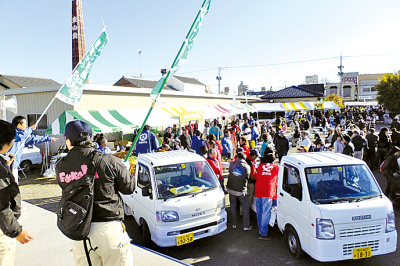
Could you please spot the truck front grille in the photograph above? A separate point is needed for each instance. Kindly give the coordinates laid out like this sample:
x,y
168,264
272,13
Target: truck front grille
x,y
360,231
348,248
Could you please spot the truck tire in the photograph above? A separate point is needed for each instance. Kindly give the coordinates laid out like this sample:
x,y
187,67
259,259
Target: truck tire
x,y
26,166
146,234
293,242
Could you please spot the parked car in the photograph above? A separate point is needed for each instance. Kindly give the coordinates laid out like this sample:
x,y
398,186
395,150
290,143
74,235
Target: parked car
x,y
31,155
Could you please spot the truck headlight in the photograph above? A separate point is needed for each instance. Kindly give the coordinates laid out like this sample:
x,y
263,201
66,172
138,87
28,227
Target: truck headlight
x,y
167,216
390,222
220,205
325,229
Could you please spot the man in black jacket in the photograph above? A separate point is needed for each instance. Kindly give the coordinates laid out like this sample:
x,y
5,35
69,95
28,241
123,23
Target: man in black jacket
x,y
10,200
371,149
107,232
348,146
186,140
360,143
239,174
281,145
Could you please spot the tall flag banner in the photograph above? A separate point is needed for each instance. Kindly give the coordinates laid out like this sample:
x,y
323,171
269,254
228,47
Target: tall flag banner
x,y
179,60
71,91
185,49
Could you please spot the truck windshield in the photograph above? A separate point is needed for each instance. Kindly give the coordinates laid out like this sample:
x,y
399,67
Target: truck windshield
x,y
184,178
335,184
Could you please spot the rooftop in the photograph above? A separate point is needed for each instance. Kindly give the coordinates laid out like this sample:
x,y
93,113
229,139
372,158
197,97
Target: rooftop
x,y
24,82
292,92
189,80
140,83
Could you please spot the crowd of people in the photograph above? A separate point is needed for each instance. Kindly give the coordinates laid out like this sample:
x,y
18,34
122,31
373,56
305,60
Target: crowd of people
x,y
253,149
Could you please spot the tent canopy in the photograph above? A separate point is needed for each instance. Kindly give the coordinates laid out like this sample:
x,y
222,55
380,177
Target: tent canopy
x,y
127,120
360,103
294,106
111,120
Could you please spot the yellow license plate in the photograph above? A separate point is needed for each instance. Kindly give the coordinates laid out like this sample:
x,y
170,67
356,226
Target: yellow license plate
x,y
361,253
184,239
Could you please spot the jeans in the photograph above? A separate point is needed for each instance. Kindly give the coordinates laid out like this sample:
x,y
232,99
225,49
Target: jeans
x,y
245,207
358,154
264,206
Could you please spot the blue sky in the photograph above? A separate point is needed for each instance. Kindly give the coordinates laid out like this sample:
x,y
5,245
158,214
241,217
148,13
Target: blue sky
x,y
259,42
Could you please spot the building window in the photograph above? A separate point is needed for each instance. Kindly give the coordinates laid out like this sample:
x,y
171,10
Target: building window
x,y
333,90
369,88
32,118
346,91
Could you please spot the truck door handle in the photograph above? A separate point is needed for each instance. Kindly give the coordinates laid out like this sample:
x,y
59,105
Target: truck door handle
x,y
280,193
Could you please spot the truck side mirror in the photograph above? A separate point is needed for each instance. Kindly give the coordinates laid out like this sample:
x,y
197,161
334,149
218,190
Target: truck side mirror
x,y
146,192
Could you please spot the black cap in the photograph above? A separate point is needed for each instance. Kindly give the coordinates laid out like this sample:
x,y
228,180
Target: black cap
x,y
74,130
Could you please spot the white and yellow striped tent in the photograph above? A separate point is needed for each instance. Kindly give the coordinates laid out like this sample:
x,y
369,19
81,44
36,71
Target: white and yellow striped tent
x,y
295,106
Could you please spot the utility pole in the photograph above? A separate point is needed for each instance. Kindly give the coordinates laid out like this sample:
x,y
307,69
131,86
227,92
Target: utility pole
x,y
340,73
140,64
219,80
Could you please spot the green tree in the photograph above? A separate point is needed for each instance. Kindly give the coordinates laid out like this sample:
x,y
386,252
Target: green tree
x,y
389,92
336,99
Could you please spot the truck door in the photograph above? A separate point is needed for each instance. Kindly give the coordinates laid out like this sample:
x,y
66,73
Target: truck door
x,y
292,207
144,205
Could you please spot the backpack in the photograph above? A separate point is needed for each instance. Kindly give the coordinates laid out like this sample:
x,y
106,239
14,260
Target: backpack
x,y
74,212
382,167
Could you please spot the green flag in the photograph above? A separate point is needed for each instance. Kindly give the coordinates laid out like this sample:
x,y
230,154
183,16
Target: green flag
x,y
185,49
71,91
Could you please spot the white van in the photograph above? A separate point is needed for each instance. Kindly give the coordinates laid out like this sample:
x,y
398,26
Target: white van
x,y
177,199
331,207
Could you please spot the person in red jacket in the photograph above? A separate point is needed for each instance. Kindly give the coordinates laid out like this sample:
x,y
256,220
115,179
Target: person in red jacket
x,y
211,137
213,162
245,146
265,192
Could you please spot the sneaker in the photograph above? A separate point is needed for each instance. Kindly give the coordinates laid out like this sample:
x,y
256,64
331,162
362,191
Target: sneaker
x,y
261,237
233,226
247,228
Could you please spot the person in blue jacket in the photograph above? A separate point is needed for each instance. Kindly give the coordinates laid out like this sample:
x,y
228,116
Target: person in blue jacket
x,y
227,146
197,142
254,133
147,142
215,130
24,137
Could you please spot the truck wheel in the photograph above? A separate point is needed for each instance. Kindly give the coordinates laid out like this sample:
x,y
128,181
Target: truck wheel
x,y
293,242
26,166
146,235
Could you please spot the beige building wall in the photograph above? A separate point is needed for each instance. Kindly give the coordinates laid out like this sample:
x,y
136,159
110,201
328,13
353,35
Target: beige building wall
x,y
35,103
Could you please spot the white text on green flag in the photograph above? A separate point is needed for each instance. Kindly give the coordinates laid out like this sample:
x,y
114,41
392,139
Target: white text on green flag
x,y
71,91
185,48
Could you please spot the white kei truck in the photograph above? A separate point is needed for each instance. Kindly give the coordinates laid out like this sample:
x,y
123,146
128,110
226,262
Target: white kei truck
x,y
331,207
177,199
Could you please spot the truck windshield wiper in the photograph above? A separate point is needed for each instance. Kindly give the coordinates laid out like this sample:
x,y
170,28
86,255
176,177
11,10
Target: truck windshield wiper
x,y
348,199
202,190
368,197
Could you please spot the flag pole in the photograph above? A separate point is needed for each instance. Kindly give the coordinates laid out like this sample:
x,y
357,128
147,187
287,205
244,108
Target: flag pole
x,y
165,81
